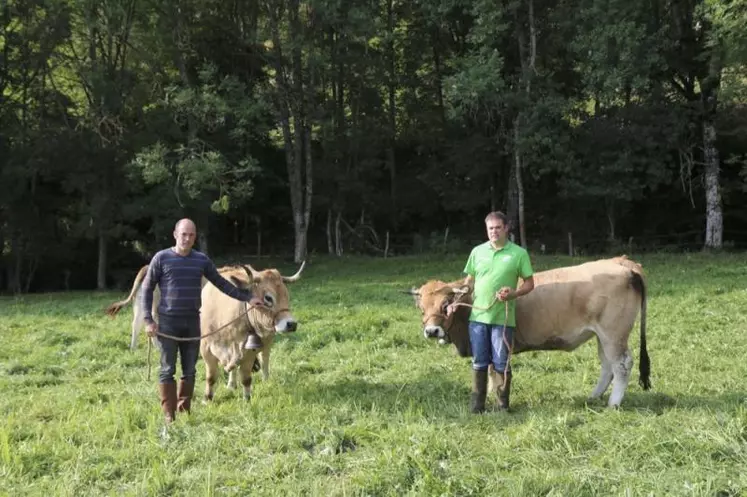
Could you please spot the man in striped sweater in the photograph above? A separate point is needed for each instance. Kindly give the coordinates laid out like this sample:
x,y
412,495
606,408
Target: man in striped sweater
x,y
178,272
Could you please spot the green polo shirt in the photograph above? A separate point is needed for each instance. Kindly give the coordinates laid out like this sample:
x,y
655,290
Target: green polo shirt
x,y
493,269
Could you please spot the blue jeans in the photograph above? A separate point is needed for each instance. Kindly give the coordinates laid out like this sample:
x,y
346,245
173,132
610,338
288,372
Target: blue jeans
x,y
489,346
180,327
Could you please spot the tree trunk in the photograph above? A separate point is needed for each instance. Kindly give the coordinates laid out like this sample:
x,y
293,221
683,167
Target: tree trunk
x,y
338,234
202,237
258,221
15,267
33,265
392,116
709,92
519,186
102,263
330,242
439,77
610,205
512,197
714,213
3,266
291,106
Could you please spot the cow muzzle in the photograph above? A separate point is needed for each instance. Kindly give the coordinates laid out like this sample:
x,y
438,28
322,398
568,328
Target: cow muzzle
x,y
286,325
432,331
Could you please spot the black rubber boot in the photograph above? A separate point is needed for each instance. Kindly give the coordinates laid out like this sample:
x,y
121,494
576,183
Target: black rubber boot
x,y
479,391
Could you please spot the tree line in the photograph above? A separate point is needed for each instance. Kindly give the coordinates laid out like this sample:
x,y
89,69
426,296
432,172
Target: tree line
x,y
375,126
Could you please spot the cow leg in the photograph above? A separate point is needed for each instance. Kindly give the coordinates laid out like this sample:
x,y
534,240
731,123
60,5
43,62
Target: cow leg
x,y
211,370
605,376
236,354
245,373
264,359
621,367
138,321
231,383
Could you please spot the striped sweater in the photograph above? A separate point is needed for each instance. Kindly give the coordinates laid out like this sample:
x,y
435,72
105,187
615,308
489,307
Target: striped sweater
x,y
179,279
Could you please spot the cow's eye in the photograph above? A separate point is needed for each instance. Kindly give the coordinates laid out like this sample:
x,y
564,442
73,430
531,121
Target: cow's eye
x,y
444,305
269,300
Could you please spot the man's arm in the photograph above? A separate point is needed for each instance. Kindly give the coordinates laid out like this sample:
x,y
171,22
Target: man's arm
x,y
507,293
526,272
225,286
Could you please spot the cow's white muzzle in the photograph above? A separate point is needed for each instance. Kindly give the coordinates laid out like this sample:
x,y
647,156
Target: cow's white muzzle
x,y
431,331
286,325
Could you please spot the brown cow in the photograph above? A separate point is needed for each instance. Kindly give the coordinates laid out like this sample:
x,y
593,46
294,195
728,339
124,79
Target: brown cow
x,y
568,306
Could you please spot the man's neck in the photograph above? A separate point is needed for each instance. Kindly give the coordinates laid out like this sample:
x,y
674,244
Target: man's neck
x,y
499,244
183,253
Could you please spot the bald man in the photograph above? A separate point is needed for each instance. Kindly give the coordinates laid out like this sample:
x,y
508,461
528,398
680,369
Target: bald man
x,y
178,272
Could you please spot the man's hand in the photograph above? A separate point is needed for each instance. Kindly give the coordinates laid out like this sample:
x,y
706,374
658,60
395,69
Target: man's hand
x,y
505,294
256,302
151,329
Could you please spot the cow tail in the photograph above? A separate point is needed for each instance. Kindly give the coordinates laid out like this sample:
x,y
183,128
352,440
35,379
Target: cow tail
x,y
114,308
644,363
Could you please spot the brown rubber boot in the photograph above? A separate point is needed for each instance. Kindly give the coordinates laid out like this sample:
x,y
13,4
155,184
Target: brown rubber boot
x,y
168,400
504,392
479,391
186,390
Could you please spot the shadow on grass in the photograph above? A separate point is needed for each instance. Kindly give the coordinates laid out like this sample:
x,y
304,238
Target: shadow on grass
x,y
657,403
437,399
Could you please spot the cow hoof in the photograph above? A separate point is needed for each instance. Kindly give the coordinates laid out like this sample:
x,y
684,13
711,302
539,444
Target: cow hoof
x,y
207,399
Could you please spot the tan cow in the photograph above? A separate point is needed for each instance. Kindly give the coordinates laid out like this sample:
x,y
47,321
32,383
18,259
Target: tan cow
x,y
226,348
568,306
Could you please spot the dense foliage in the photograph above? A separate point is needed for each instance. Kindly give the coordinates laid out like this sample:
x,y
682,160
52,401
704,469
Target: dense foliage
x,y
293,126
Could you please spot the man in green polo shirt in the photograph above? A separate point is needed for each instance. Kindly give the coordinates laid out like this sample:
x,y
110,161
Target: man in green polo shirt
x,y
493,270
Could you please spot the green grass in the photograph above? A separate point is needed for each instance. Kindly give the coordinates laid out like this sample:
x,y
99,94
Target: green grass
x,y
359,403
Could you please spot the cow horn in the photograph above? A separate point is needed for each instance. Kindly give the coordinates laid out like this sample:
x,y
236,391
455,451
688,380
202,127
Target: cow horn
x,y
250,272
461,291
412,291
297,276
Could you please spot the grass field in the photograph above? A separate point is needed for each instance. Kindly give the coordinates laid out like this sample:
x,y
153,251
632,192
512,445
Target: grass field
x,y
359,403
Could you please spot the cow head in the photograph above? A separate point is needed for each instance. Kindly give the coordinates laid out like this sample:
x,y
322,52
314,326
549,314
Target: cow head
x,y
432,299
269,285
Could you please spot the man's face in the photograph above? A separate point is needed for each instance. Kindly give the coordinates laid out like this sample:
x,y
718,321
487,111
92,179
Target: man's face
x,y
496,229
185,234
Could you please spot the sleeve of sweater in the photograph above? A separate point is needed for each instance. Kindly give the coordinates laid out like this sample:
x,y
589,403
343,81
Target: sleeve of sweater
x,y
152,277
225,286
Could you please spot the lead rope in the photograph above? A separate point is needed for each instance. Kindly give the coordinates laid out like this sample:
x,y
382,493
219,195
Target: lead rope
x,y
247,308
510,346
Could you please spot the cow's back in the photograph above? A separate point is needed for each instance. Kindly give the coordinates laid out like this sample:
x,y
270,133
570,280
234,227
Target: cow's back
x,y
567,304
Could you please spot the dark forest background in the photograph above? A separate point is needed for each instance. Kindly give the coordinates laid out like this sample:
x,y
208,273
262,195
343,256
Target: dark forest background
x,y
383,127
